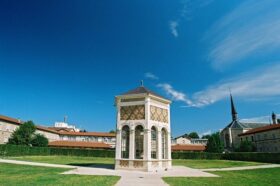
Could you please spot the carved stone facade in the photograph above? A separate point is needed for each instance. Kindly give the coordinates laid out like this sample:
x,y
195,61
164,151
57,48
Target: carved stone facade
x,y
159,114
135,112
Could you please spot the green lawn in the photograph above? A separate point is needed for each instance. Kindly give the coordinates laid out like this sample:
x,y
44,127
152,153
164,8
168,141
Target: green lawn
x,y
109,162
205,164
22,175
68,160
257,177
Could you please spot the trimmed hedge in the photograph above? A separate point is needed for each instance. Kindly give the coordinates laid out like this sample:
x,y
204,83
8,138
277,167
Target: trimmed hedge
x,y
196,155
18,150
264,157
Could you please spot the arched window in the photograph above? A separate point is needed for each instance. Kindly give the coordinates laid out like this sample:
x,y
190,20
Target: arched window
x,y
164,143
139,142
125,142
154,143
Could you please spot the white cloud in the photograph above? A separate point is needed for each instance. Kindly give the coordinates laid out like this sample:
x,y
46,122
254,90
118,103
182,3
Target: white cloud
x,y
150,75
176,95
261,119
254,26
259,83
186,12
173,27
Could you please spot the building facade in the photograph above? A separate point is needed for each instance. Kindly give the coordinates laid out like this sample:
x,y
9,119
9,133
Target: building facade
x,y
265,139
143,131
57,136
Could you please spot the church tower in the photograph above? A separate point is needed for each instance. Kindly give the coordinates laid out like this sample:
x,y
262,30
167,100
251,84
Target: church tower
x,y
143,131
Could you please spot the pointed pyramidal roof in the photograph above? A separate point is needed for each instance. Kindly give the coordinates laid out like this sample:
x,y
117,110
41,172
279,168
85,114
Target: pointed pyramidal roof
x,y
142,90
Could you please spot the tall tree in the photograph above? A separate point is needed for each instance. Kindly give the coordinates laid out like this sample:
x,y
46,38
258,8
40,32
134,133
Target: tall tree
x,y
193,135
206,136
112,131
23,134
215,144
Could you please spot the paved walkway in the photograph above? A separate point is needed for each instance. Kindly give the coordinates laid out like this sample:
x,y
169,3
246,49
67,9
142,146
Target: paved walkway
x,y
243,168
140,178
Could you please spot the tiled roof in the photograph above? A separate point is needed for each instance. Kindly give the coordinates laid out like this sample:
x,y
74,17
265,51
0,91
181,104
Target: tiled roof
x,y
61,129
12,120
79,144
188,147
142,90
261,129
18,122
238,124
99,134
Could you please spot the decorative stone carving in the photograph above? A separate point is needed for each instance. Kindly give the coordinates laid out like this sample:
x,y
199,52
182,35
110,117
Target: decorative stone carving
x,y
124,163
137,164
155,164
159,114
135,112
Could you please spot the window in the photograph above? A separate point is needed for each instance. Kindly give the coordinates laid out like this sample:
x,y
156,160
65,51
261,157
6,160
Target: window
x,y
139,144
252,138
164,143
125,142
154,143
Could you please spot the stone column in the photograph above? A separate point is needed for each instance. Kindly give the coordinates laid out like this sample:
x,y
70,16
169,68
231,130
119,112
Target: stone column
x,y
132,144
169,145
118,144
159,150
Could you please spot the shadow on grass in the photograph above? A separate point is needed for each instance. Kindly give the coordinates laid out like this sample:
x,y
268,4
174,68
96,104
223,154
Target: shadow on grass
x,y
94,165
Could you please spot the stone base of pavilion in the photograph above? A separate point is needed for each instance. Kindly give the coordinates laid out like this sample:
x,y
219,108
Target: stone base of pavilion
x,y
143,165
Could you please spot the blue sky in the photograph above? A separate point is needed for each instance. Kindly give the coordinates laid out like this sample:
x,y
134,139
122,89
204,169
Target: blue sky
x,y
71,58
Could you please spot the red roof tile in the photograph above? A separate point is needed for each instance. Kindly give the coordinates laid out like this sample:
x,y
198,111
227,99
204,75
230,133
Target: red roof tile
x,y
12,120
79,144
99,134
188,147
261,129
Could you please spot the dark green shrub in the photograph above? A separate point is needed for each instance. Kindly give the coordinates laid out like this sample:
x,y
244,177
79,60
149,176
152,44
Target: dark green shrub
x,y
39,140
196,155
19,150
264,157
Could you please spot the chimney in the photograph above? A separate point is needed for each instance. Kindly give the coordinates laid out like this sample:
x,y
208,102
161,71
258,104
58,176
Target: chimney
x,y
274,119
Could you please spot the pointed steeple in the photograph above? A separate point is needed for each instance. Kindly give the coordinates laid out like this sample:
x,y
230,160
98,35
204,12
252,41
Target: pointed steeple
x,y
233,110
